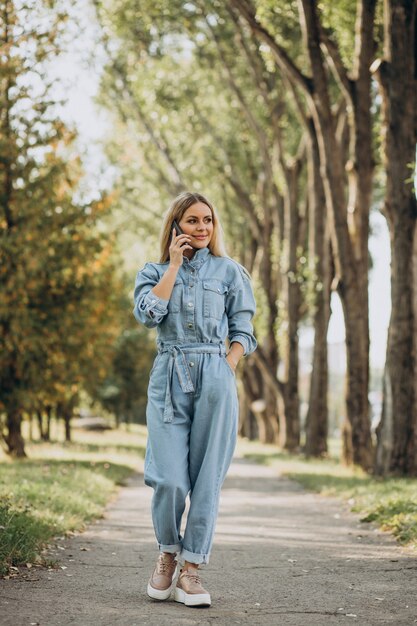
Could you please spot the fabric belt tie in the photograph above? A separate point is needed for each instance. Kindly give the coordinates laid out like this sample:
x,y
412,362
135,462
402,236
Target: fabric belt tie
x,y
179,361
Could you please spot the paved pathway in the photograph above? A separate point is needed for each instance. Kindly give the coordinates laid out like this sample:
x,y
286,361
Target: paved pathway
x,y
281,556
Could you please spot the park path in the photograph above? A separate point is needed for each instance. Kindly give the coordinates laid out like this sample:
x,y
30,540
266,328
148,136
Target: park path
x,y
281,557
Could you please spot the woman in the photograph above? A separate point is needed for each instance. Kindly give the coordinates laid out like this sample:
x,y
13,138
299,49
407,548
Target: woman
x,y
196,297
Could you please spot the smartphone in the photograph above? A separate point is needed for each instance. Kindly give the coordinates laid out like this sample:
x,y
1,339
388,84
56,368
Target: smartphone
x,y
178,230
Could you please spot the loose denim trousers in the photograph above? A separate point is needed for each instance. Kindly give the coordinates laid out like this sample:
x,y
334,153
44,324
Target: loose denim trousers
x,y
189,450
192,410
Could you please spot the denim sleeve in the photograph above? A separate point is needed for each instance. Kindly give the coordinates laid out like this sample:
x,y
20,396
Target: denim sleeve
x,y
240,308
148,308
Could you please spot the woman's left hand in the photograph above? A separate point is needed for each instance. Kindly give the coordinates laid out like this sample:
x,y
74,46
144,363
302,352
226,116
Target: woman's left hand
x,y
235,353
232,363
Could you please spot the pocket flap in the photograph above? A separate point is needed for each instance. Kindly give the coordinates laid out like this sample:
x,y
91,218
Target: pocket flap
x,y
215,285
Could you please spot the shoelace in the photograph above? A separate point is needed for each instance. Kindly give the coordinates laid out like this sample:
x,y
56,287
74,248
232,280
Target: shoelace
x,y
195,578
164,566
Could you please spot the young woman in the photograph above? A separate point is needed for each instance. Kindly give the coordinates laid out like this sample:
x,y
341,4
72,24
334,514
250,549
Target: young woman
x,y
197,297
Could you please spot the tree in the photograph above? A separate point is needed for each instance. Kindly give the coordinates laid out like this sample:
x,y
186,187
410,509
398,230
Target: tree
x,y
59,283
396,73
348,219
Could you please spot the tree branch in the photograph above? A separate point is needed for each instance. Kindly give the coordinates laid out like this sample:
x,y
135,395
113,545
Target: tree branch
x,y
286,64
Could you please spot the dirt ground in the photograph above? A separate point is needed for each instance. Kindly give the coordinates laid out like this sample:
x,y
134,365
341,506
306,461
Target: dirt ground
x,y
281,556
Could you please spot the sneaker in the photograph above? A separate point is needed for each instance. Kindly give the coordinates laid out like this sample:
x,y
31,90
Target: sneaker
x,y
161,582
189,589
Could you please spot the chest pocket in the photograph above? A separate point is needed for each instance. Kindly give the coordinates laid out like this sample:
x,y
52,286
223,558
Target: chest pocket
x,y
214,294
174,304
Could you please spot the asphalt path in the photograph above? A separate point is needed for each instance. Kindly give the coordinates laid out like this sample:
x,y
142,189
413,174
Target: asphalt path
x,y
281,556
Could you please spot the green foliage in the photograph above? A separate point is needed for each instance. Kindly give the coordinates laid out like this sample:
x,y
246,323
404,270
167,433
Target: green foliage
x,y
398,516
123,391
186,104
59,289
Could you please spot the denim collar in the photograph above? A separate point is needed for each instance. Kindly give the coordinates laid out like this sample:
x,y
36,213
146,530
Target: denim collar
x,y
198,259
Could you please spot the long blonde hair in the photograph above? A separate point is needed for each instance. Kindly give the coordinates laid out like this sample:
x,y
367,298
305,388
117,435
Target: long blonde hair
x,y
179,205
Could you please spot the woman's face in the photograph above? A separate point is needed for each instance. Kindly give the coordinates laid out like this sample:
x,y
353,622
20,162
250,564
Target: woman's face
x,y
197,222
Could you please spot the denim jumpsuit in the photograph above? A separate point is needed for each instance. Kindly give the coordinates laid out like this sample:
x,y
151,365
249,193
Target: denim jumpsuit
x,y
192,409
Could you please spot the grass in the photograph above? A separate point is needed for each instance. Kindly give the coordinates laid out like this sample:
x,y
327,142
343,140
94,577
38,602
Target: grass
x,y
60,488
389,502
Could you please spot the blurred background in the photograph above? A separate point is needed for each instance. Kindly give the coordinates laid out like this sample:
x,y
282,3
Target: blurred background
x,y
282,113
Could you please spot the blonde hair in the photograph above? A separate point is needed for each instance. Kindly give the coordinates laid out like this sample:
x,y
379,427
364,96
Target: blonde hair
x,y
178,207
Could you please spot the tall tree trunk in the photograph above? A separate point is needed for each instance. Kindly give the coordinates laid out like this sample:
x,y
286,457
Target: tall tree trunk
x,y
397,432
247,422
14,439
67,421
255,389
294,237
43,426
30,426
48,410
320,263
351,267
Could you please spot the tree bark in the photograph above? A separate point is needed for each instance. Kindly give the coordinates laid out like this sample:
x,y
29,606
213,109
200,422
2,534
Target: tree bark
x,y
14,439
320,263
254,384
293,239
43,427
351,266
397,432
67,421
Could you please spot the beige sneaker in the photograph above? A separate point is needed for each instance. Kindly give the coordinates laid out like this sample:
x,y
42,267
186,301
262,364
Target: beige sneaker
x,y
189,589
161,582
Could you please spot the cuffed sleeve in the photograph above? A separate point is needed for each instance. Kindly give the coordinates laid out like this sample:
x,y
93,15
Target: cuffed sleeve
x,y
148,308
240,308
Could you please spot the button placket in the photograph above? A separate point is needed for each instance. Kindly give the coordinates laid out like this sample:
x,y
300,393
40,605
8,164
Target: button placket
x,y
190,308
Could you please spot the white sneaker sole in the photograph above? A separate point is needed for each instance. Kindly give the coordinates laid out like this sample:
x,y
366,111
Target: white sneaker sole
x,y
161,594
192,599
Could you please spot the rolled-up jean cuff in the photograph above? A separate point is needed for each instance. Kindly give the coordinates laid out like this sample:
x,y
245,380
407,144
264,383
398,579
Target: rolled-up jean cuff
x,y
176,547
192,557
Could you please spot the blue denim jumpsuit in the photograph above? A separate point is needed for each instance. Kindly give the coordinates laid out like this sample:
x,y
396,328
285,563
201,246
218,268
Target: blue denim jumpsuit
x,y
192,409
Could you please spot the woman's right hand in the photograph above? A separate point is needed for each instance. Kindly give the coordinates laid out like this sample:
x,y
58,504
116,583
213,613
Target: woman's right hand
x,y
178,245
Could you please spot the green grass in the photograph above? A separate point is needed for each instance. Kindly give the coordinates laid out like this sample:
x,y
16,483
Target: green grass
x,y
60,488
42,499
389,502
